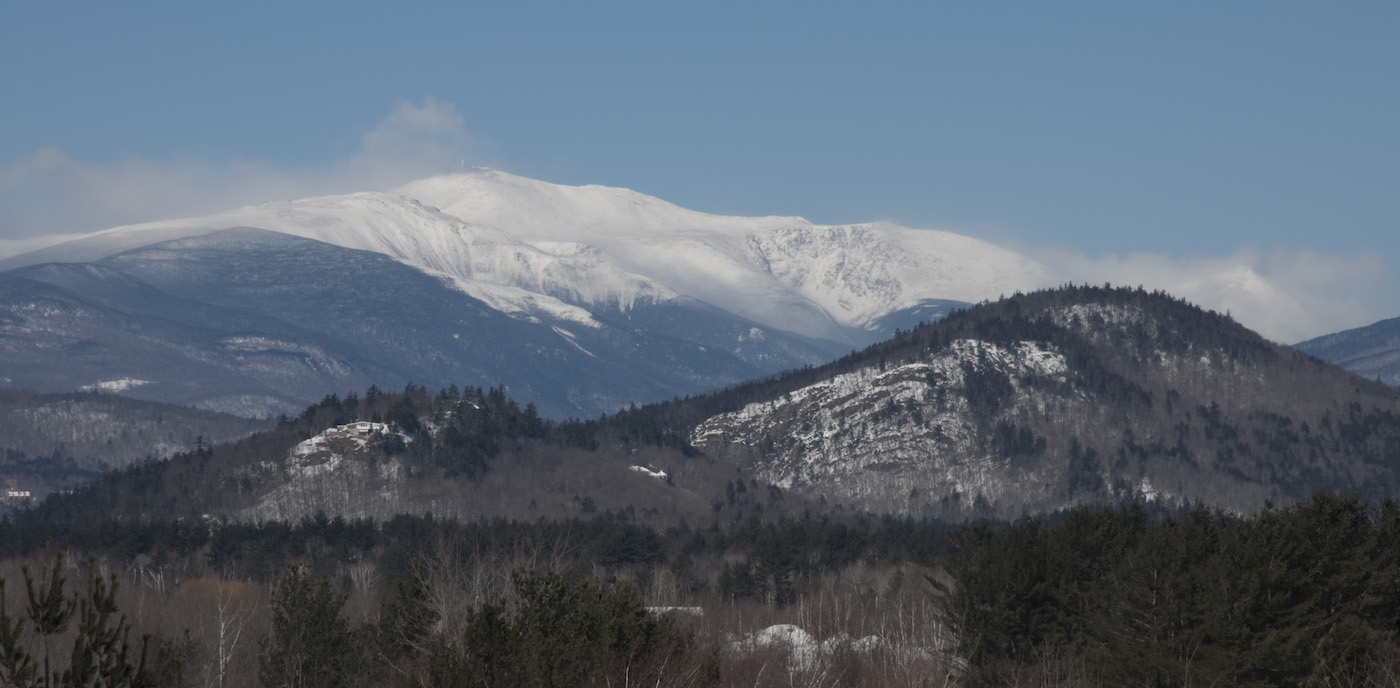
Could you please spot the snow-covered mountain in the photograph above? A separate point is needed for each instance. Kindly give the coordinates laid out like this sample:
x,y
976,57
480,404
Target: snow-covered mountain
x,y
532,248
781,271
661,299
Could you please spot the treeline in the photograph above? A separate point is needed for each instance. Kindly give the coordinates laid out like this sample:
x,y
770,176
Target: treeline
x,y
454,433
422,601
793,551
1303,595
549,630
1307,594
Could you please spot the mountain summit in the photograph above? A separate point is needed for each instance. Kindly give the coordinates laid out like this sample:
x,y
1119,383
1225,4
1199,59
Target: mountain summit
x,y
668,301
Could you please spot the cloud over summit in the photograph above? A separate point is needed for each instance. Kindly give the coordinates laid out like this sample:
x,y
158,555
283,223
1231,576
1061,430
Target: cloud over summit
x,y
1285,293
411,143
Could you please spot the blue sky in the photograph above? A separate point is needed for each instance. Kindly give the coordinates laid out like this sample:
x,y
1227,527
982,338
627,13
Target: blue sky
x,y
1169,142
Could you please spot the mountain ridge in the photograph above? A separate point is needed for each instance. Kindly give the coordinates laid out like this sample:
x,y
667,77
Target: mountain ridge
x,y
1372,351
573,248
646,300
289,320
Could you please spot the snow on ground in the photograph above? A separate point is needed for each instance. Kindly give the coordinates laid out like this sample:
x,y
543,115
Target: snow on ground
x,y
328,472
119,385
659,475
803,650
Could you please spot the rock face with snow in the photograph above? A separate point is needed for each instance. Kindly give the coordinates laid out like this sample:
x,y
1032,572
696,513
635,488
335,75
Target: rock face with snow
x,y
338,471
663,300
896,435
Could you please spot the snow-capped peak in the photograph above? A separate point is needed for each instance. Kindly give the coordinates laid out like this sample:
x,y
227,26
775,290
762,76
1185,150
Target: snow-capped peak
x,y
534,248
782,271
532,210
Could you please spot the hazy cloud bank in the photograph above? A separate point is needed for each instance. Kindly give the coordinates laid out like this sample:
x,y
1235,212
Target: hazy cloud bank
x,y
49,193
1287,294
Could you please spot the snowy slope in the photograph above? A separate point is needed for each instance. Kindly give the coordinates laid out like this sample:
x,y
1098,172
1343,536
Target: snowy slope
x,y
540,250
779,271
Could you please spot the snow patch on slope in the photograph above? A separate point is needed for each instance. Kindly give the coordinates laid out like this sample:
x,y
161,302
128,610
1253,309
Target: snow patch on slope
x,y
118,385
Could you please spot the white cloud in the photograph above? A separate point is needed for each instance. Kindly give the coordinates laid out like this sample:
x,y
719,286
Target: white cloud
x,y
412,143
49,193
1287,294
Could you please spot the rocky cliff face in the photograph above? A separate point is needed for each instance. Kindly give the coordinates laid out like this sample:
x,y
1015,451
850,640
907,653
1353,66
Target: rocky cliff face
x,y
890,437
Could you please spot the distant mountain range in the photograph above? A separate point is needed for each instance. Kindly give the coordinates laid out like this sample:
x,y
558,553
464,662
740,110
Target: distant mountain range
x,y
581,300
58,441
1372,352
1027,405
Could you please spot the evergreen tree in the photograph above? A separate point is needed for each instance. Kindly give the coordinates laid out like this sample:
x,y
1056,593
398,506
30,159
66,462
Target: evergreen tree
x,y
310,645
101,654
563,633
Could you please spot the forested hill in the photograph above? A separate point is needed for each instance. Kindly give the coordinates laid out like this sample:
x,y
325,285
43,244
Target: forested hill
x,y
57,441
1044,400
1167,323
1031,404
456,453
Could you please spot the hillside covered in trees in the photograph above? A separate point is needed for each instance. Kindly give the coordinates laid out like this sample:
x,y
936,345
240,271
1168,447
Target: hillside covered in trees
x,y
463,454
55,441
1079,395
1300,595
1032,404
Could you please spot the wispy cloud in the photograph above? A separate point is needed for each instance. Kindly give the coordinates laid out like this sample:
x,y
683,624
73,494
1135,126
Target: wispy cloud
x,y
1287,294
47,192
413,142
